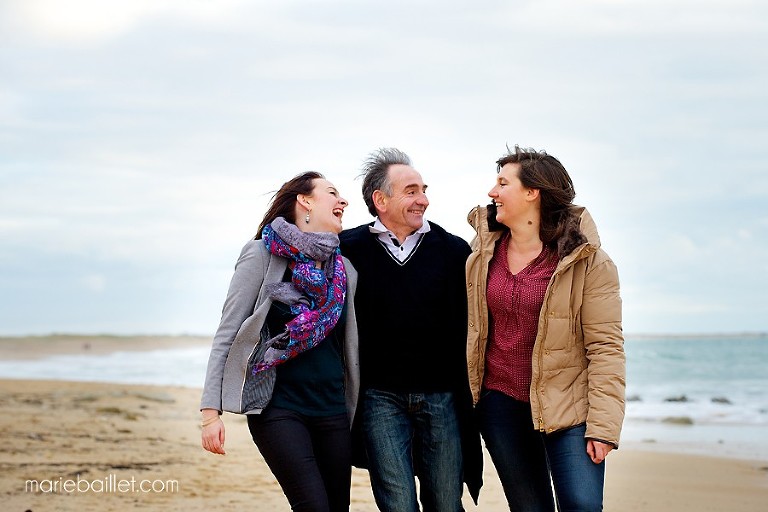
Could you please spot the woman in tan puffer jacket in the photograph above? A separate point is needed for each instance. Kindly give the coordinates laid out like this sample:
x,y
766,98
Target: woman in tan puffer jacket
x,y
545,347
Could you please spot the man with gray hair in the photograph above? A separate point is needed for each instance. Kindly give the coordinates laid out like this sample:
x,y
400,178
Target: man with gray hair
x,y
411,306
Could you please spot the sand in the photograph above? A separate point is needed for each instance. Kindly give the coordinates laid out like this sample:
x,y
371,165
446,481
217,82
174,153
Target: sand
x,y
111,439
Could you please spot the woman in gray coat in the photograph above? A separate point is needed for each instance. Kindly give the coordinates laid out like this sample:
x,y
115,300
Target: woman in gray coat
x,y
285,352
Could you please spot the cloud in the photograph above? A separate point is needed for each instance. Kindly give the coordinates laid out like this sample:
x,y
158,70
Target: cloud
x,y
95,21
95,282
601,18
140,141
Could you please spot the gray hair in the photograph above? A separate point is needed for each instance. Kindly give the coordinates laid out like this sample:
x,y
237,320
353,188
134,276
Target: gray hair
x,y
376,173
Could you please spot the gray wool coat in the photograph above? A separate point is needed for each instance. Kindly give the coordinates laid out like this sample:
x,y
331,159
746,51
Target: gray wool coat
x,y
229,385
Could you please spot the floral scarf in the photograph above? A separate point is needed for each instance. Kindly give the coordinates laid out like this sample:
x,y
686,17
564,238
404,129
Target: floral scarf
x,y
315,295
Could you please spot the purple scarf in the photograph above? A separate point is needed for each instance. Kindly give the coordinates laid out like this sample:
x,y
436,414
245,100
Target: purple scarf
x,y
315,295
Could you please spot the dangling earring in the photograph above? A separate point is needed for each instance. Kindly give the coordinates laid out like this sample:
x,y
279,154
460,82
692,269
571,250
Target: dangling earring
x,y
306,219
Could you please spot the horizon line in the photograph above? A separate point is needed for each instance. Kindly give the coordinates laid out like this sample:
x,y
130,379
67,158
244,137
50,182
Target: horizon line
x,y
729,334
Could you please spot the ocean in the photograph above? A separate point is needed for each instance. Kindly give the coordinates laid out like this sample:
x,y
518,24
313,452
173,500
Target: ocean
x,y
698,394
705,394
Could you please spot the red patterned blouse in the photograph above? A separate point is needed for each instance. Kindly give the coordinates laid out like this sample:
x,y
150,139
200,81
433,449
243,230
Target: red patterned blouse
x,y
514,303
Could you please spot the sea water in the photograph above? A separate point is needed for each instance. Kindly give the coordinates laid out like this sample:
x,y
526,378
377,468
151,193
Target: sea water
x,y
704,394
709,380
164,367
700,394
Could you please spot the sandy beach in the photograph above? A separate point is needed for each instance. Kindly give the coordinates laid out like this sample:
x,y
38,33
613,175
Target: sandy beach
x,y
93,446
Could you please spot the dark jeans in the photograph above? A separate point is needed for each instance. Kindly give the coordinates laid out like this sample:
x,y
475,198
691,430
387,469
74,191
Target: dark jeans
x,y
525,458
309,456
411,435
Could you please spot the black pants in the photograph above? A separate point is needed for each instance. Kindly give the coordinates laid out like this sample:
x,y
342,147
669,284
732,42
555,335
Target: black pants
x,y
309,456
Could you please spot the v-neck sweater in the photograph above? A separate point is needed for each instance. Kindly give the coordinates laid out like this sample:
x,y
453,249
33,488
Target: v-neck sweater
x,y
412,314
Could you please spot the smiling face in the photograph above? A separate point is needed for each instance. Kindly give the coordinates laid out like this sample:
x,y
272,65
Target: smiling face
x,y
403,211
325,206
513,200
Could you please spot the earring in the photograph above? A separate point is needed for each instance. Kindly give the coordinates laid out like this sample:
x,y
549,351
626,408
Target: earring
x,y
306,219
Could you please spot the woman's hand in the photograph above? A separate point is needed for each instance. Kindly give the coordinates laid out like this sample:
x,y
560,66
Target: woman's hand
x,y
213,432
596,450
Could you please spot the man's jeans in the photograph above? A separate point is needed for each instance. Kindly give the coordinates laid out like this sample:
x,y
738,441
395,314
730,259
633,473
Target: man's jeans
x,y
413,434
524,459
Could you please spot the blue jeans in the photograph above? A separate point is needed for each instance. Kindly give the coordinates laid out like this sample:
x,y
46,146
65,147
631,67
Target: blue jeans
x,y
525,458
411,435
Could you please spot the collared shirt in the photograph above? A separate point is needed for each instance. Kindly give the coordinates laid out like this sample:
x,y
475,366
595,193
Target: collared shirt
x,y
400,251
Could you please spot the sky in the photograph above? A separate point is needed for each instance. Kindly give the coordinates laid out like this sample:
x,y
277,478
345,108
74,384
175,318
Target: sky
x,y
141,140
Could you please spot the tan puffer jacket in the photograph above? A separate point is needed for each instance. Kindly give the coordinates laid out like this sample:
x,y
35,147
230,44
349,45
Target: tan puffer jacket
x,y
578,355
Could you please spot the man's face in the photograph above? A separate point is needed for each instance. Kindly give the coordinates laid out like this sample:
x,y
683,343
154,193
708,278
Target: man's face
x,y
403,211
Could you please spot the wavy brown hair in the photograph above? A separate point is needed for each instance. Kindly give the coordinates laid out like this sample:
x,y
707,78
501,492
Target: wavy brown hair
x,y
559,228
283,203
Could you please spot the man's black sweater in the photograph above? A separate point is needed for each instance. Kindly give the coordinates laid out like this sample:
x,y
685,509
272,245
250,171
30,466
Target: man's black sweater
x,y
412,315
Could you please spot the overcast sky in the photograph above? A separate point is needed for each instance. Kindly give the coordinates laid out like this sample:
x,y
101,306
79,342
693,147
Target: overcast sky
x,y
140,141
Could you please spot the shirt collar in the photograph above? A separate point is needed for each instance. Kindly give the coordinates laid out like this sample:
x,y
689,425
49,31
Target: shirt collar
x,y
378,227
